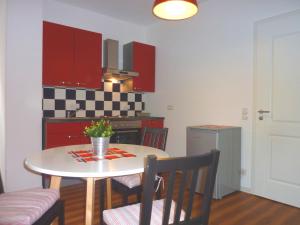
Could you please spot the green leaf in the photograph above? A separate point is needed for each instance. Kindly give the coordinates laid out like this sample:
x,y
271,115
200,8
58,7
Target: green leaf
x,y
101,128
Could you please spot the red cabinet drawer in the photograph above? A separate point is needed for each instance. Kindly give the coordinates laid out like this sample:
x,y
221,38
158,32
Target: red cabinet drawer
x,y
157,123
68,128
55,140
62,134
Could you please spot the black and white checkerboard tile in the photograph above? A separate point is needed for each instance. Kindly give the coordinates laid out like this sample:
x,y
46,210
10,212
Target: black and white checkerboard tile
x,y
91,103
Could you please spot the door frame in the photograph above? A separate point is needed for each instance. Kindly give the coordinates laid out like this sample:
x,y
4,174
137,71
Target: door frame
x,y
3,21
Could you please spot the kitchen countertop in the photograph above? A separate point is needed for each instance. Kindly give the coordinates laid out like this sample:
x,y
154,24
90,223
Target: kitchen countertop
x,y
80,119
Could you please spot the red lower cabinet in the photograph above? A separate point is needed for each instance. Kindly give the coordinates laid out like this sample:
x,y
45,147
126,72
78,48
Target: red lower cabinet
x,y
153,123
62,134
57,134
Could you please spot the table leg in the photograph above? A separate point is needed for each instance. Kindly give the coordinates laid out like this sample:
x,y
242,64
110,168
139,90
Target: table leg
x,y
55,182
90,197
108,193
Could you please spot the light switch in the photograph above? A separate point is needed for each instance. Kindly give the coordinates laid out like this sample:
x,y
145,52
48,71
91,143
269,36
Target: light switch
x,y
170,107
245,112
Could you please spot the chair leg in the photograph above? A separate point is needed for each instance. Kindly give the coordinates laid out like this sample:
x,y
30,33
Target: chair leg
x,y
125,198
45,182
61,216
139,196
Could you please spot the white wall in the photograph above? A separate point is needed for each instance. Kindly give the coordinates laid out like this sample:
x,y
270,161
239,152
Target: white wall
x,y
205,69
2,86
24,74
23,90
109,27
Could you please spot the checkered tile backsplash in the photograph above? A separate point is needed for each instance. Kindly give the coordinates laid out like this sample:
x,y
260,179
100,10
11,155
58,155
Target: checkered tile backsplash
x,y
110,102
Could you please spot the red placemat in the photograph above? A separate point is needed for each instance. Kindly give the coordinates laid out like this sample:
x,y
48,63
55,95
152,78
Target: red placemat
x,y
128,155
89,156
111,157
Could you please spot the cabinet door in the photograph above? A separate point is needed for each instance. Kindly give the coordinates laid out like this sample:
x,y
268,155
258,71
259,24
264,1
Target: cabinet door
x,y
58,54
157,123
144,63
55,140
88,59
62,134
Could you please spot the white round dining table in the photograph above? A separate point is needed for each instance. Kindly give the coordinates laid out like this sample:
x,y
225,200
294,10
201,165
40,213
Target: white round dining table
x,y
59,162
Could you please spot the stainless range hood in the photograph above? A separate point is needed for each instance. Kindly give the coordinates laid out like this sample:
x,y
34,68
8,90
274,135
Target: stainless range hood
x,y
111,63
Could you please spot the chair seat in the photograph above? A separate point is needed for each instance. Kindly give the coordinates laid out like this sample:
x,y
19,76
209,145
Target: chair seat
x,y
25,207
129,215
130,180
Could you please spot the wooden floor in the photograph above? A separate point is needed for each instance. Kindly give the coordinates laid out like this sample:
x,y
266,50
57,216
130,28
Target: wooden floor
x,y
236,209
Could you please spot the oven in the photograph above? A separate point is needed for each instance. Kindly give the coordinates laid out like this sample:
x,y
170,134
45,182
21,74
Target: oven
x,y
126,132
126,136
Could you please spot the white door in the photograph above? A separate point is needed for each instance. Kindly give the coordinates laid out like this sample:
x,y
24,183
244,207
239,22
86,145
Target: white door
x,y
277,89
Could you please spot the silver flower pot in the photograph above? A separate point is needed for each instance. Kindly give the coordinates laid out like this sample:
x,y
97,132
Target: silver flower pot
x,y
100,145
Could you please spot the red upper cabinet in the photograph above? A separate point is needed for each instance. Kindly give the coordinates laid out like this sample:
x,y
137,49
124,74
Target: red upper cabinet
x,y
87,58
58,54
71,57
140,58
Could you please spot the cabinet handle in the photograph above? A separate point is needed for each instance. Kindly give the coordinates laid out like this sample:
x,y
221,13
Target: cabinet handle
x,y
70,136
77,83
63,82
137,89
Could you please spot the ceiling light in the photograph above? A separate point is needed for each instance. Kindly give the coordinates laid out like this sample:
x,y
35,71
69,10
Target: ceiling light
x,y
175,9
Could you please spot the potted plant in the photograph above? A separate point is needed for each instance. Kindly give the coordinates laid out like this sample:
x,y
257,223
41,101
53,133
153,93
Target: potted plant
x,y
100,133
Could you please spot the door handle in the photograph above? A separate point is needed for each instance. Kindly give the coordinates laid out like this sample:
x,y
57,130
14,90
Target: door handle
x,y
261,113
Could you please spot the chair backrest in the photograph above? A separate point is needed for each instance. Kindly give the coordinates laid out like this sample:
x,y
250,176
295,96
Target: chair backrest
x,y
189,166
154,137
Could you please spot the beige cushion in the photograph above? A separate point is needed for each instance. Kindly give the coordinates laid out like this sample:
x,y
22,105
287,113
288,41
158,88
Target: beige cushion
x,y
25,207
130,180
129,215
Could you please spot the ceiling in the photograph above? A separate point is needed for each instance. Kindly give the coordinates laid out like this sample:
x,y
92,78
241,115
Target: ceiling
x,y
133,11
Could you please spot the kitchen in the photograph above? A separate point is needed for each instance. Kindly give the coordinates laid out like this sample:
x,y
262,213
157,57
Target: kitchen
x,y
204,71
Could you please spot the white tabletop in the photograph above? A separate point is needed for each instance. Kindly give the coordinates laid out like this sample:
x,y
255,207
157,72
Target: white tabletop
x,y
57,162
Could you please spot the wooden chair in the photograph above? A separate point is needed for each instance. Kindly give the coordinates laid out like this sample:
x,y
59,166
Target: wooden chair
x,y
131,184
154,137
166,211
33,206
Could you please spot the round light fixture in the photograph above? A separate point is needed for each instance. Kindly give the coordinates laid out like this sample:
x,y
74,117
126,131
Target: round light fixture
x,y
175,9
